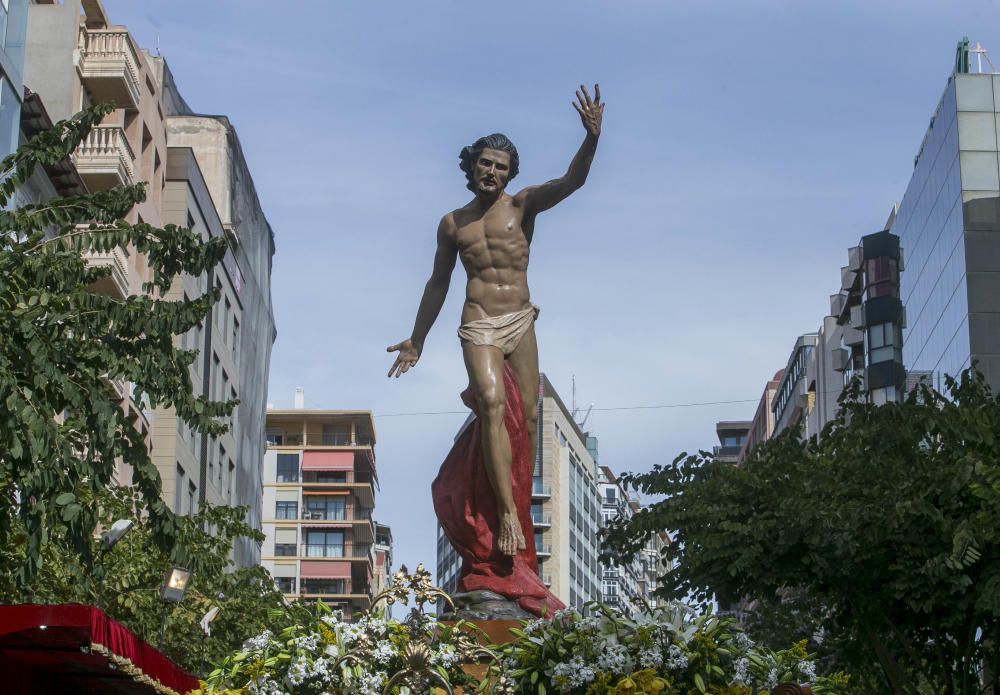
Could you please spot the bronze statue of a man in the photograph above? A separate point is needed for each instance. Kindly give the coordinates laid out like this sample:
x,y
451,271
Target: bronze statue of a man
x,y
492,235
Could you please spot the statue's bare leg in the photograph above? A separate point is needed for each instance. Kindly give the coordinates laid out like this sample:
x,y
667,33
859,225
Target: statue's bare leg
x,y
524,363
485,366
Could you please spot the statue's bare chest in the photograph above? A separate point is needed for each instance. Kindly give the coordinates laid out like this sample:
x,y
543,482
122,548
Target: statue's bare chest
x,y
495,232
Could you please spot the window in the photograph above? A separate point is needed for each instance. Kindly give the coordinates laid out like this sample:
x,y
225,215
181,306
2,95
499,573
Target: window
x,y
286,510
288,468
232,481
324,586
326,507
285,585
222,463
610,494
275,437
236,338
330,477
178,489
325,544
284,549
215,377
225,320
192,491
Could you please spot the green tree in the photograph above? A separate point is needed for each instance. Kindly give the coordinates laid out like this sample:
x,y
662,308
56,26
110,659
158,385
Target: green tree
x,y
890,522
127,579
62,432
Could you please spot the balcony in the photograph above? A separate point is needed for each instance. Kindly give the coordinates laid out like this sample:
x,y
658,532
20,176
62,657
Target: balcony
x,y
539,519
546,579
116,284
332,439
541,490
109,66
338,552
104,158
315,588
543,550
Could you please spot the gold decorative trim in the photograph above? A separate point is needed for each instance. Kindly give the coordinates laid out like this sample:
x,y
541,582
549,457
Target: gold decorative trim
x,y
126,666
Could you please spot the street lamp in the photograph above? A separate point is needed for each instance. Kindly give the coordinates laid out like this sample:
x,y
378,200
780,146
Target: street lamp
x,y
114,534
108,541
205,623
175,583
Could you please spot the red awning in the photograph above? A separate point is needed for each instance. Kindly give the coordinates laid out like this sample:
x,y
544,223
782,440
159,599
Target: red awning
x,y
328,461
71,648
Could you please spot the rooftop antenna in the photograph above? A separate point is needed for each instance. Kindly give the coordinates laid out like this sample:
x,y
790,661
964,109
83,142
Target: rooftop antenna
x,y
584,422
980,54
572,406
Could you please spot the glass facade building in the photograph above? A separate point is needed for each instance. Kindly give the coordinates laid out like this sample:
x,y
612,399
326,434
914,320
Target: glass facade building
x,y
13,25
949,227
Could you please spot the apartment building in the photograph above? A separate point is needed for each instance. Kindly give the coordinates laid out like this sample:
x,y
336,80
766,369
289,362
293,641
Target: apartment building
x,y
319,496
630,587
566,503
75,57
732,436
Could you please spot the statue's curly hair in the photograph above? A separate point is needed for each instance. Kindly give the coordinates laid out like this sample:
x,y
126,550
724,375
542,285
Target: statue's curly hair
x,y
497,141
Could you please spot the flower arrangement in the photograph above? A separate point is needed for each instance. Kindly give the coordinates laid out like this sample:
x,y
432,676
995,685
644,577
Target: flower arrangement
x,y
668,651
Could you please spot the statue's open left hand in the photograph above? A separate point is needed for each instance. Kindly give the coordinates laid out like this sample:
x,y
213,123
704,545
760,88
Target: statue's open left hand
x,y
408,355
591,111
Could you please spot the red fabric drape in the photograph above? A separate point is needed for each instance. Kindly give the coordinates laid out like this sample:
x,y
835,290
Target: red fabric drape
x,y
77,623
117,638
466,508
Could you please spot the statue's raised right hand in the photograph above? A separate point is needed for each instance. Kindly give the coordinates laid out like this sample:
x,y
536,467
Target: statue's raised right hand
x,y
409,353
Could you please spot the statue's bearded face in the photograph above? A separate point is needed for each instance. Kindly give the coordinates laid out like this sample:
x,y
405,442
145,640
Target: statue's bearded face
x,y
491,171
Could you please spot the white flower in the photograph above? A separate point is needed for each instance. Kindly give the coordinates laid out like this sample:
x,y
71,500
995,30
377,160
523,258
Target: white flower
x,y
742,671
819,635
572,675
384,651
772,679
332,651
259,642
743,642
446,656
369,684
533,627
676,659
307,643
298,670
650,658
265,687
808,670
613,659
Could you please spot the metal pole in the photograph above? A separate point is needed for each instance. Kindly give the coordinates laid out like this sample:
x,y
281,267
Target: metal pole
x,y
163,623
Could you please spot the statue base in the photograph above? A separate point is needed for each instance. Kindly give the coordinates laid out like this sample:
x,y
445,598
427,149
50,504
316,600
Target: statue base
x,y
485,606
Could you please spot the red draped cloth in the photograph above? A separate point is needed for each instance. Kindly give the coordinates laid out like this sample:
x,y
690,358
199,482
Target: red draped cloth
x,y
467,511
50,645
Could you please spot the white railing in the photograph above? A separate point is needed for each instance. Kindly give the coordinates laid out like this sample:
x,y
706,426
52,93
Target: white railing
x,y
105,148
109,53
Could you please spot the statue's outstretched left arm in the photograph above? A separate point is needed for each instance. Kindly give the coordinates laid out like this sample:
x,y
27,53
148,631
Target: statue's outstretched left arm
x,y
539,198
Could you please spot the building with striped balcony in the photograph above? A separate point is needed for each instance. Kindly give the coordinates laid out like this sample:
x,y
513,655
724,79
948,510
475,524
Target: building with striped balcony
x,y
319,497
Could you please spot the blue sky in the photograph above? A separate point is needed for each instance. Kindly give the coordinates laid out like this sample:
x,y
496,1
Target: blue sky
x,y
746,146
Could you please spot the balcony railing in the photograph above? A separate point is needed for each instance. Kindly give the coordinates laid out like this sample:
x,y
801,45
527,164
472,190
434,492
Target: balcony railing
x,y
539,519
328,439
115,285
109,66
543,549
336,551
104,158
540,489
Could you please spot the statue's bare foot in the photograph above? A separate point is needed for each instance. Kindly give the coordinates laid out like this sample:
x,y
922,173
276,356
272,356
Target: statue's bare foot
x,y
511,538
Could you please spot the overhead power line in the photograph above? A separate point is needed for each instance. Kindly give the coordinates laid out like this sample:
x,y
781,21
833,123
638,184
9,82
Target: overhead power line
x,y
621,407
